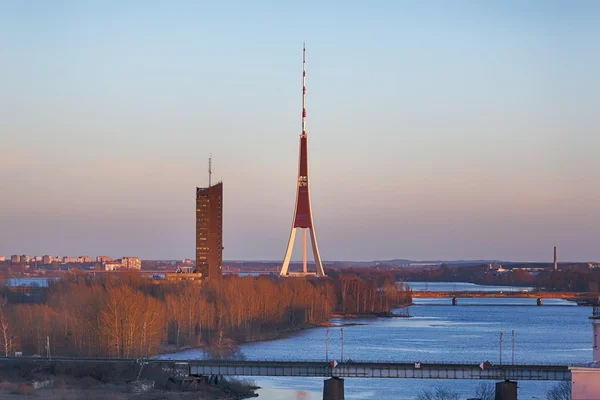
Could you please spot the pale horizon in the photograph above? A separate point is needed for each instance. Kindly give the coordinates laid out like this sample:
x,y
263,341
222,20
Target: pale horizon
x,y
436,131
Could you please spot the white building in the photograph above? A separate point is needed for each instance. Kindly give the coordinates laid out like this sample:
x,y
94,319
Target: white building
x,y
132,263
112,265
2,258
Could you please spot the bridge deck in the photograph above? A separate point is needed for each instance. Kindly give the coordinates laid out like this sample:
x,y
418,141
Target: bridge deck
x,y
381,370
499,294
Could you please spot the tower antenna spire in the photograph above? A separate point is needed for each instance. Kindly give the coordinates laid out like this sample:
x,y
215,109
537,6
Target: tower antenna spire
x,y
209,169
304,89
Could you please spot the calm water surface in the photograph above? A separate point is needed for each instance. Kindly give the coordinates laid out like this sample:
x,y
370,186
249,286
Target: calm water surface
x,y
558,332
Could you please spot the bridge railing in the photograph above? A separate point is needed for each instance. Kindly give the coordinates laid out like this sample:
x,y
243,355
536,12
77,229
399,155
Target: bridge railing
x,y
375,362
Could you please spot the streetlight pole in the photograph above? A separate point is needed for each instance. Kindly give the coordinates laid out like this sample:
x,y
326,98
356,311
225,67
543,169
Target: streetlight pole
x,y
327,344
500,348
513,347
342,353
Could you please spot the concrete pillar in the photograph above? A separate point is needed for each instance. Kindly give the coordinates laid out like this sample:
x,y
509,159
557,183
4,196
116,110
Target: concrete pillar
x,y
454,301
540,301
333,389
506,390
596,338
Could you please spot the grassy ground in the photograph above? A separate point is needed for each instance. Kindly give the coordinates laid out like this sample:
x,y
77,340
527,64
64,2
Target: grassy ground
x,y
112,392
85,394
104,381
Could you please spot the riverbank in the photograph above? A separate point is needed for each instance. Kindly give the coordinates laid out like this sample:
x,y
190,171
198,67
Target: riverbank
x,y
285,334
23,378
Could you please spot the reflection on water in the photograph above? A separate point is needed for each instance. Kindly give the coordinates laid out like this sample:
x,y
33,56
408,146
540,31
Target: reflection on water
x,y
556,332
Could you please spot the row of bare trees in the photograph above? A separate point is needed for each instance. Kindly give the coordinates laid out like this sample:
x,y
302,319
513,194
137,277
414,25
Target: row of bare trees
x,y
127,316
364,291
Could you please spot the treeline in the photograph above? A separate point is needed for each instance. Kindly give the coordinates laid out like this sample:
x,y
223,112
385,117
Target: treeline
x,y
127,316
570,277
367,291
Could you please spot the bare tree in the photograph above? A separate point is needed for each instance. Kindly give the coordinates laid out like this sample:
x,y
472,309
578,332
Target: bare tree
x,y
5,336
485,391
439,393
561,391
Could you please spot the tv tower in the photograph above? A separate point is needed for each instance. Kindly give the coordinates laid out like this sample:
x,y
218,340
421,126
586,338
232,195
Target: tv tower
x,y
302,212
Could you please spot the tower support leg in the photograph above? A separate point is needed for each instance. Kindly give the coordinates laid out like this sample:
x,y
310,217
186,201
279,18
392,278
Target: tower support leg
x,y
288,253
304,266
316,255
333,389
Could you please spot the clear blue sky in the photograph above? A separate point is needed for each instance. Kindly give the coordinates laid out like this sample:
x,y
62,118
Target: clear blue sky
x,y
438,129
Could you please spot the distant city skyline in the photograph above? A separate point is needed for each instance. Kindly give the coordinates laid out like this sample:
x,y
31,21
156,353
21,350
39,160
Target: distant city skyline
x,y
438,130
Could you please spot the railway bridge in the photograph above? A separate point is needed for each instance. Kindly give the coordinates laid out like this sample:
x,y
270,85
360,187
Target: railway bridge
x,y
333,389
401,370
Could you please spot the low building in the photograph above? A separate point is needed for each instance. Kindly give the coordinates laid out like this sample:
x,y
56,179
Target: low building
x,y
2,258
112,265
25,258
15,258
86,259
182,276
37,259
585,380
132,263
47,260
103,259
532,271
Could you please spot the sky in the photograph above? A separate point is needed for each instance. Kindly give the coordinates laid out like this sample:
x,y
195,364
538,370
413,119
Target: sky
x,y
437,129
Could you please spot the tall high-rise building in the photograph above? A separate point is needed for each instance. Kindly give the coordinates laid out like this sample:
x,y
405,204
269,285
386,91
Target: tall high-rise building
x,y
209,230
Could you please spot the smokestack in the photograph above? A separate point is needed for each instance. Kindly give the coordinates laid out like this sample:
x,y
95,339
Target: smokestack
x,y
555,260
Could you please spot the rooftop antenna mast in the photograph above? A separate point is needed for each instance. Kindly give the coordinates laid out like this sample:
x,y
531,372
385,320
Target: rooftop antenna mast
x,y
209,169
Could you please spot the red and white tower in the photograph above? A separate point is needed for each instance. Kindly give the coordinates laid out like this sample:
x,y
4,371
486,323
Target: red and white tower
x,y
302,213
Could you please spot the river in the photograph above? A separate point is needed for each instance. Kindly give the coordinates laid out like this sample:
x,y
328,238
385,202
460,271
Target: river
x,y
557,332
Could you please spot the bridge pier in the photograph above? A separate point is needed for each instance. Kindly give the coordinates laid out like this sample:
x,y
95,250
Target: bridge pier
x,y
506,390
333,389
540,301
454,301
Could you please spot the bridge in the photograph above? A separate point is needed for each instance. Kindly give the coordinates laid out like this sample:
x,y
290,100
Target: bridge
x,y
333,372
401,370
504,294
348,369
